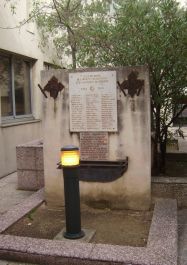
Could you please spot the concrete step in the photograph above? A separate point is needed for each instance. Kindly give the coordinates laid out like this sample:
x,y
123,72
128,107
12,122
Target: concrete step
x,y
176,156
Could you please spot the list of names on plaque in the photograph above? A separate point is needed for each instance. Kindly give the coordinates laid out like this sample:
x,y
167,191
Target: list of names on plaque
x,y
94,145
93,101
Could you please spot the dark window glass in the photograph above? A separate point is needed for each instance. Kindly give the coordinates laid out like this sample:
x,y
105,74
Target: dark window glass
x,y
22,87
15,96
5,87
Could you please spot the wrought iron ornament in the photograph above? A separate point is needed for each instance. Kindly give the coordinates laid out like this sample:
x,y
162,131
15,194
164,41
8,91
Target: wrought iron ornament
x,y
133,85
53,87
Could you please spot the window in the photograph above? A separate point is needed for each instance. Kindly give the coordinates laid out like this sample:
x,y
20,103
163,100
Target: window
x,y
49,66
182,119
15,94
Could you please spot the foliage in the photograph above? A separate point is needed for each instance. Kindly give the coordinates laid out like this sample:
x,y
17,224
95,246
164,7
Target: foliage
x,y
147,32
65,22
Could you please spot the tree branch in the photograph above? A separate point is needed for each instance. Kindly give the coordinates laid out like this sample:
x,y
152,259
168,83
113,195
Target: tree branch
x,y
62,21
58,13
22,23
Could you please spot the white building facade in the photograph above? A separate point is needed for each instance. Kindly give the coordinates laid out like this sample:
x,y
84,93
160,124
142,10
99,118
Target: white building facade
x,y
21,60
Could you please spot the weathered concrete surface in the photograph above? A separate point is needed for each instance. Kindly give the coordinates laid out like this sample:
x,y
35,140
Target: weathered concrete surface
x,y
9,195
18,211
6,262
133,189
182,231
10,198
30,168
163,233
170,188
55,120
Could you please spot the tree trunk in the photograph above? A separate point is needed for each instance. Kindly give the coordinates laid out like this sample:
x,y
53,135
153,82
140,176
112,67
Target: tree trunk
x,y
156,167
162,163
163,143
72,43
74,59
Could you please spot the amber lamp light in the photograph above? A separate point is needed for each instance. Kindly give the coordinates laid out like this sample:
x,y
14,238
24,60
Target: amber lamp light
x,y
70,156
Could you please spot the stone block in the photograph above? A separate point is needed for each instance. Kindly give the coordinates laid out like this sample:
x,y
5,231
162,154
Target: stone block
x,y
40,178
27,180
26,157
39,158
30,165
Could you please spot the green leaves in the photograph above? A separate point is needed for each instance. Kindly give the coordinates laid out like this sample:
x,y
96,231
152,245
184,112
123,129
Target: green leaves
x,y
152,32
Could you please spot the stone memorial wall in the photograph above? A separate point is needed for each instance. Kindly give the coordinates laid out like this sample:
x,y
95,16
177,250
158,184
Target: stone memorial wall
x,y
106,112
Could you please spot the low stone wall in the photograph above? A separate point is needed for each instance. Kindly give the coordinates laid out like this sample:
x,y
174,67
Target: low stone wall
x,y
30,167
170,187
161,248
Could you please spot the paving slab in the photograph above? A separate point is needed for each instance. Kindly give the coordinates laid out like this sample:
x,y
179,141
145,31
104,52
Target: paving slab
x,y
9,194
182,234
10,197
6,262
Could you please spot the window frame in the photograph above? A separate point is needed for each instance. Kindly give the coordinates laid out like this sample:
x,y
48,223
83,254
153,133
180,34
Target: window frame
x,y
14,117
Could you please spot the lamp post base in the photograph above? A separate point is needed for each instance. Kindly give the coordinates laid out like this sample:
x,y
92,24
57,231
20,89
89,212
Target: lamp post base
x,y
74,236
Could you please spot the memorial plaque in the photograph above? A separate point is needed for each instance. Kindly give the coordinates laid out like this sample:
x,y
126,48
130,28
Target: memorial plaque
x,y
94,146
93,101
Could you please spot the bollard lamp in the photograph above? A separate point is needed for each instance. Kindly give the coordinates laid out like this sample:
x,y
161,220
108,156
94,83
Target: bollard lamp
x,y
70,156
70,159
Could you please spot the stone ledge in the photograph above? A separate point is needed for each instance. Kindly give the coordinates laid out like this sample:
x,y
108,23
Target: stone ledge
x,y
30,179
161,248
163,232
20,210
10,123
169,180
